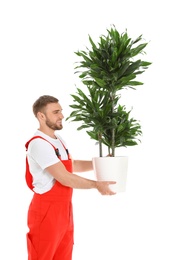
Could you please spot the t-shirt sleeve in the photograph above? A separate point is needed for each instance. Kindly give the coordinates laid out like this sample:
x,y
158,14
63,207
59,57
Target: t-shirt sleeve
x,y
42,152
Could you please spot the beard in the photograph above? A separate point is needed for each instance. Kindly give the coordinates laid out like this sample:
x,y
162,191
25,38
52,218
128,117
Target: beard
x,y
53,126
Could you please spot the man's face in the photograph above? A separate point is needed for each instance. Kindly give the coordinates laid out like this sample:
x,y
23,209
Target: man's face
x,y
54,116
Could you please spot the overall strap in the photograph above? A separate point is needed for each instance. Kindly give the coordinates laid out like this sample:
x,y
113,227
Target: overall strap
x,y
38,136
56,149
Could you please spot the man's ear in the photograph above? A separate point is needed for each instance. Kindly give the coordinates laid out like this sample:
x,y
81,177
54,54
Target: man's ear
x,y
40,116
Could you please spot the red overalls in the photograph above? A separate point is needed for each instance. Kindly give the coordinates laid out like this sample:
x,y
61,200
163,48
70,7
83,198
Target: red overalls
x,y
50,220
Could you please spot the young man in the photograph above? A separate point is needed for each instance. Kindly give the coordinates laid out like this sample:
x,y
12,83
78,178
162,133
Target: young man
x,y
49,173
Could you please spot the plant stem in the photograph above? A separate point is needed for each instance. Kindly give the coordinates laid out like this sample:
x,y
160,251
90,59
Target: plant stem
x,y
113,130
100,145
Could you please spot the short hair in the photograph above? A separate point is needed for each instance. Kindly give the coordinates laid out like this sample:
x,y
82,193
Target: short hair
x,y
42,102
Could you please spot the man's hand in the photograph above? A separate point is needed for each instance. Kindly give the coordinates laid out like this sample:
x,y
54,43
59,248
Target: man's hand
x,y
103,187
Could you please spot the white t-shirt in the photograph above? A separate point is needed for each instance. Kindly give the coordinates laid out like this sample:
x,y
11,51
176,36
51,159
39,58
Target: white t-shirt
x,y
40,155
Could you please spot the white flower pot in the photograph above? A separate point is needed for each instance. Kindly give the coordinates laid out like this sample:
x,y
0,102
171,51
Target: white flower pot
x,y
112,169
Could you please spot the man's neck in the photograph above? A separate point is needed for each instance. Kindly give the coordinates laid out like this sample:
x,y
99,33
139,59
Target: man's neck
x,y
49,132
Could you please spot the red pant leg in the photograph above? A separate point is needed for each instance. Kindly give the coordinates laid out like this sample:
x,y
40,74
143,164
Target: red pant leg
x,y
65,248
50,233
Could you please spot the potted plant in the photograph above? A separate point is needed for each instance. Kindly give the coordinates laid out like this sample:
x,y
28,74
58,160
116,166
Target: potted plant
x,y
107,68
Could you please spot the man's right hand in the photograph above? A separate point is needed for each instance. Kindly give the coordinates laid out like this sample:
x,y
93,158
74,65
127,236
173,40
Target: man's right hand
x,y
103,187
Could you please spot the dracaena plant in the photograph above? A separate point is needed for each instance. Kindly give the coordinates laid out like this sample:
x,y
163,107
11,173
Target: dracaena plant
x,y
104,70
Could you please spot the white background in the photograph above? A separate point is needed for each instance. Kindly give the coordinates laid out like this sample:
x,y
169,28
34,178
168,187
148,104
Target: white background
x,y
37,44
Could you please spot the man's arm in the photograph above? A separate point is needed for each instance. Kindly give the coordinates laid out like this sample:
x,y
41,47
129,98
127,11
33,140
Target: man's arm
x,y
82,166
59,172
